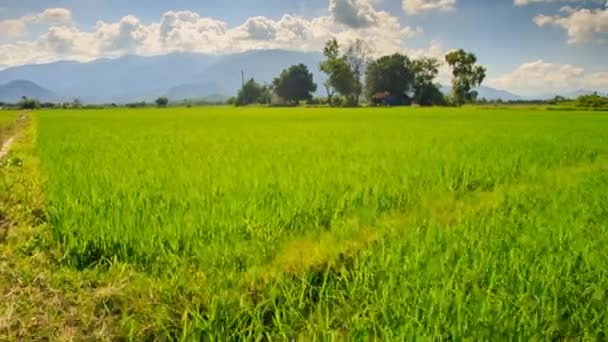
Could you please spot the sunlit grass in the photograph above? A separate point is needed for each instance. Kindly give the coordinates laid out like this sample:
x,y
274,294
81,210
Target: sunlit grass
x,y
341,223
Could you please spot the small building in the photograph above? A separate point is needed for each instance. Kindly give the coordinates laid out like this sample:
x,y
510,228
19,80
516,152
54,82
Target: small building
x,y
385,98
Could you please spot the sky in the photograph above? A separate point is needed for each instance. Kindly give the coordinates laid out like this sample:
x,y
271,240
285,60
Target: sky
x,y
528,46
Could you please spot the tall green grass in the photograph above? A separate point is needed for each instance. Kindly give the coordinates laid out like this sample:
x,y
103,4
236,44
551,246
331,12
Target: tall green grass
x,y
450,223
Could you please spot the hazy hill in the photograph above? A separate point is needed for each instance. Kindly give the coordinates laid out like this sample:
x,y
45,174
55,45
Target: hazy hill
x,y
490,93
14,90
179,75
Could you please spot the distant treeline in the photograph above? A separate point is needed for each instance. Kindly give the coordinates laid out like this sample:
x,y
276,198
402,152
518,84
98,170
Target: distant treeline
x,y
591,101
32,103
354,78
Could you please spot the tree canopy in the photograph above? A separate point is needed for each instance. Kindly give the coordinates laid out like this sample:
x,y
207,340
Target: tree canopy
x,y
295,84
251,92
467,75
344,71
390,74
426,92
28,103
162,101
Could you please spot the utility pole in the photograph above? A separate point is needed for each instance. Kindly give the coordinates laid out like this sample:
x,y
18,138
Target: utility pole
x,y
242,78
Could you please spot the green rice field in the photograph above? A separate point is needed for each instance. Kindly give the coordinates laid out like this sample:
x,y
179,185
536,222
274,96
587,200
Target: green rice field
x,y
334,224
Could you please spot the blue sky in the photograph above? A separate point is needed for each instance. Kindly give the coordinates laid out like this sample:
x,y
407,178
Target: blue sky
x,y
526,44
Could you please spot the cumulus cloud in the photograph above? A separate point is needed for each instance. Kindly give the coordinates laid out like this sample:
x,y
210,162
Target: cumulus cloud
x,y
582,25
59,15
354,13
12,28
541,76
528,2
420,6
186,31
16,28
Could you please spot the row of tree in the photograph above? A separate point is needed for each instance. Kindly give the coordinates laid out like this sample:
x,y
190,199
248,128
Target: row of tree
x,y
389,80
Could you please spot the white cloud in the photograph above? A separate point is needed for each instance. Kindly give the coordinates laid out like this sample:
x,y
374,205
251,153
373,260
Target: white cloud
x,y
582,25
186,31
598,80
528,2
57,15
12,28
420,6
545,77
354,13
16,28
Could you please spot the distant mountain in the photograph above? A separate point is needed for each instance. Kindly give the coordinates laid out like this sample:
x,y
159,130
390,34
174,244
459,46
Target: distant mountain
x,y
263,65
195,90
490,93
14,90
178,75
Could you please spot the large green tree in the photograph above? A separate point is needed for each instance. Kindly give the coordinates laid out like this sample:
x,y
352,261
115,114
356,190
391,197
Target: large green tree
x,y
340,76
426,92
162,102
331,51
251,92
390,74
467,75
295,84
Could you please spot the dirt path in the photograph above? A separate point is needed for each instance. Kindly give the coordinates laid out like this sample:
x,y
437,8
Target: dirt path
x,y
6,147
19,123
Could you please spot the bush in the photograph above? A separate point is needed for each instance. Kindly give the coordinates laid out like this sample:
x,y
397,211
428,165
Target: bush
x,y
592,101
27,103
338,101
162,101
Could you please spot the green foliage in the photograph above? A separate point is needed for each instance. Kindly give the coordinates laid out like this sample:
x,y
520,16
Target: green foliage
x,y
340,78
231,101
426,92
28,103
594,101
466,75
391,74
141,104
162,102
344,71
250,93
295,84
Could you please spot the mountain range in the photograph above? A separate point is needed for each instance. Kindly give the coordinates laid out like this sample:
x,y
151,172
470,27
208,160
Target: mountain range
x,y
14,90
178,76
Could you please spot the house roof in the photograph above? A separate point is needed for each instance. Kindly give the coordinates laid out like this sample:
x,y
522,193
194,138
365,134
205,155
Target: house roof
x,y
381,95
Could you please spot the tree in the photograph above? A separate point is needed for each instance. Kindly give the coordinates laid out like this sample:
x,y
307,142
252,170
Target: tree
x,y
331,52
426,93
357,57
76,103
390,74
340,77
162,102
295,84
251,92
266,95
28,103
467,75
592,101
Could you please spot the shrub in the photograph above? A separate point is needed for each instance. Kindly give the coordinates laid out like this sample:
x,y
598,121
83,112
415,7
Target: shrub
x,y
162,101
27,103
592,101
